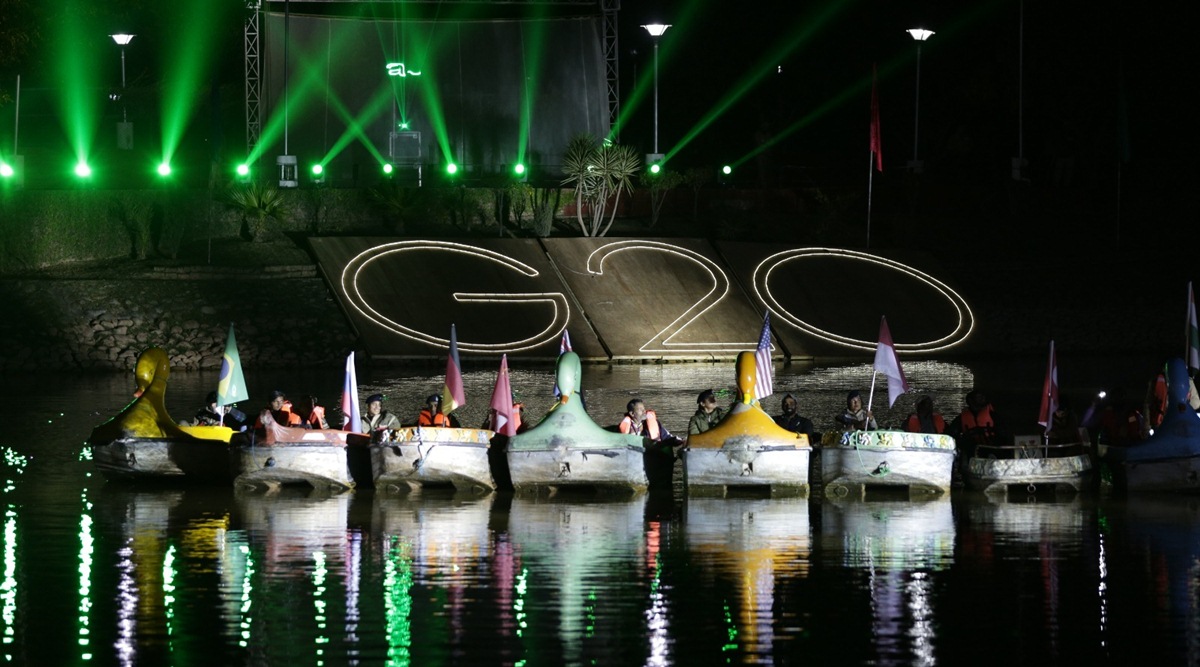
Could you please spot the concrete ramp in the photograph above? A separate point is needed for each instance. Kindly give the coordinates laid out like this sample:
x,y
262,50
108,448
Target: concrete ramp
x,y
634,299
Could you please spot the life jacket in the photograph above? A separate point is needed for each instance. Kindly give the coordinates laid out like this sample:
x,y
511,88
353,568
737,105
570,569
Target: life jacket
x,y
1158,406
317,417
650,427
434,419
913,425
282,417
983,420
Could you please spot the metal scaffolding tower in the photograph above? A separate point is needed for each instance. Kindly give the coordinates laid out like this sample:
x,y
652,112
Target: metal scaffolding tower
x,y
612,71
253,75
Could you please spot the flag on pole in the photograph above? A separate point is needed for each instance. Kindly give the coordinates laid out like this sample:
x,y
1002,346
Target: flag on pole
x,y
876,138
452,393
764,386
502,421
1049,393
352,415
564,345
231,386
1193,334
888,363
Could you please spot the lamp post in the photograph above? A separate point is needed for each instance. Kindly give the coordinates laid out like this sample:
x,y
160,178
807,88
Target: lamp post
x,y
656,30
124,128
920,35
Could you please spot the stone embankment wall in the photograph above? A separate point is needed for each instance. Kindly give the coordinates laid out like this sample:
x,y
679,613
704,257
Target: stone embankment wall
x,y
282,316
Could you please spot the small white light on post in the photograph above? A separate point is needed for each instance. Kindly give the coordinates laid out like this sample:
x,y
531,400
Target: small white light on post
x,y
124,128
920,35
656,30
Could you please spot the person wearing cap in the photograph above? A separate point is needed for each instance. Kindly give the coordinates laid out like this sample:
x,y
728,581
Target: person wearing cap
x,y
855,417
707,413
281,409
376,418
431,414
791,419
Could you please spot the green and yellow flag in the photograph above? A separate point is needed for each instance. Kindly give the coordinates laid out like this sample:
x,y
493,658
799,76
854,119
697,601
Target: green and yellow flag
x,y
231,388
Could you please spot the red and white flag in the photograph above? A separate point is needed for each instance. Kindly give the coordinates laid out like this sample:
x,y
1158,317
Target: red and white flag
x,y
1193,334
453,397
1049,392
502,421
764,386
352,415
876,137
888,363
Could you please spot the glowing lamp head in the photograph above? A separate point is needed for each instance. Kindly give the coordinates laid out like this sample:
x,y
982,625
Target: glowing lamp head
x,y
451,169
164,169
317,170
122,39
727,170
82,170
387,167
655,168
519,169
656,29
920,34
6,171
243,170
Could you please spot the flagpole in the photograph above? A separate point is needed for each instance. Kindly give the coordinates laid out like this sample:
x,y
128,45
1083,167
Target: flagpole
x,y
871,396
870,185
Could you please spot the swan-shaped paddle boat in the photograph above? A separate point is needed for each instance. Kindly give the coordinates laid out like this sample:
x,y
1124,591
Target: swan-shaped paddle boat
x,y
568,449
143,443
1169,460
747,448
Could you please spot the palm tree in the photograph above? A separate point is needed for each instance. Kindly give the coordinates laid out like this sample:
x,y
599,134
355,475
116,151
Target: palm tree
x,y
256,202
599,172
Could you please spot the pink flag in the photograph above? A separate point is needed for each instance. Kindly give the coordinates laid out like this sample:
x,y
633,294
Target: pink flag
x,y
765,385
453,397
888,363
502,421
1049,393
353,416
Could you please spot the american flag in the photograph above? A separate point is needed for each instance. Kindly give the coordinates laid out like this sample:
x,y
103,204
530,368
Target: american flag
x,y
765,385
564,345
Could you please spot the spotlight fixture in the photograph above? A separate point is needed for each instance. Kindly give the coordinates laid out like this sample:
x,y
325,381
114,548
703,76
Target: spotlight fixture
x,y
6,170
318,173
655,168
82,170
164,169
451,168
387,168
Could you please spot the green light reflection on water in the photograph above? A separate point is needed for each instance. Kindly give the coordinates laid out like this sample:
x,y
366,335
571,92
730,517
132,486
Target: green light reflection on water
x,y
397,586
8,589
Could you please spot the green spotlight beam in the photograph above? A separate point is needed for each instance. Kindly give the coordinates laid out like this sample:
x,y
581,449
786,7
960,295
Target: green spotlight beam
x,y
77,68
187,51
531,68
761,68
644,86
354,125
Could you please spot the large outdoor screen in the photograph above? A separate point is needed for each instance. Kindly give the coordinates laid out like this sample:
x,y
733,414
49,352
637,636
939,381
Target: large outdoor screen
x,y
481,94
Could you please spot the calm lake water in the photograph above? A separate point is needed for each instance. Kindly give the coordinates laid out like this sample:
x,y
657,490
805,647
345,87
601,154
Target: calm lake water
x,y
100,573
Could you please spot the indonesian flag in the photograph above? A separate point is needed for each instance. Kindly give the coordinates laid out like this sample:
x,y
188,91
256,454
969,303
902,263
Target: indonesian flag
x,y
764,386
452,394
353,416
1049,392
876,139
1193,334
502,421
888,363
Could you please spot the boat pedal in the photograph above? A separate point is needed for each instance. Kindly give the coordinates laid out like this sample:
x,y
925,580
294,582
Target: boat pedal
x,y
564,468
747,469
270,462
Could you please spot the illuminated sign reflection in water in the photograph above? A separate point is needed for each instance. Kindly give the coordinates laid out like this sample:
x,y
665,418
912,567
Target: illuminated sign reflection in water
x,y
8,589
86,549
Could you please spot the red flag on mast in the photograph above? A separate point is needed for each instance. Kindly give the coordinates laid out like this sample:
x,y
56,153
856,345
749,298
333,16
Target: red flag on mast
x,y
876,140
1049,393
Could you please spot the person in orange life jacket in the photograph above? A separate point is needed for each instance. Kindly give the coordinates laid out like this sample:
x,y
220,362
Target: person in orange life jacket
x,y
281,409
791,419
311,413
376,418
431,414
925,420
1156,400
640,421
855,417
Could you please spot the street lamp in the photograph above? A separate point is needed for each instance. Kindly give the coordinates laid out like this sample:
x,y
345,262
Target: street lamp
x,y
124,128
656,30
920,35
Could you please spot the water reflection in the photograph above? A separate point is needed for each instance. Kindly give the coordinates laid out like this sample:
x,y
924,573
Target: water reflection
x,y
899,546
759,544
573,558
